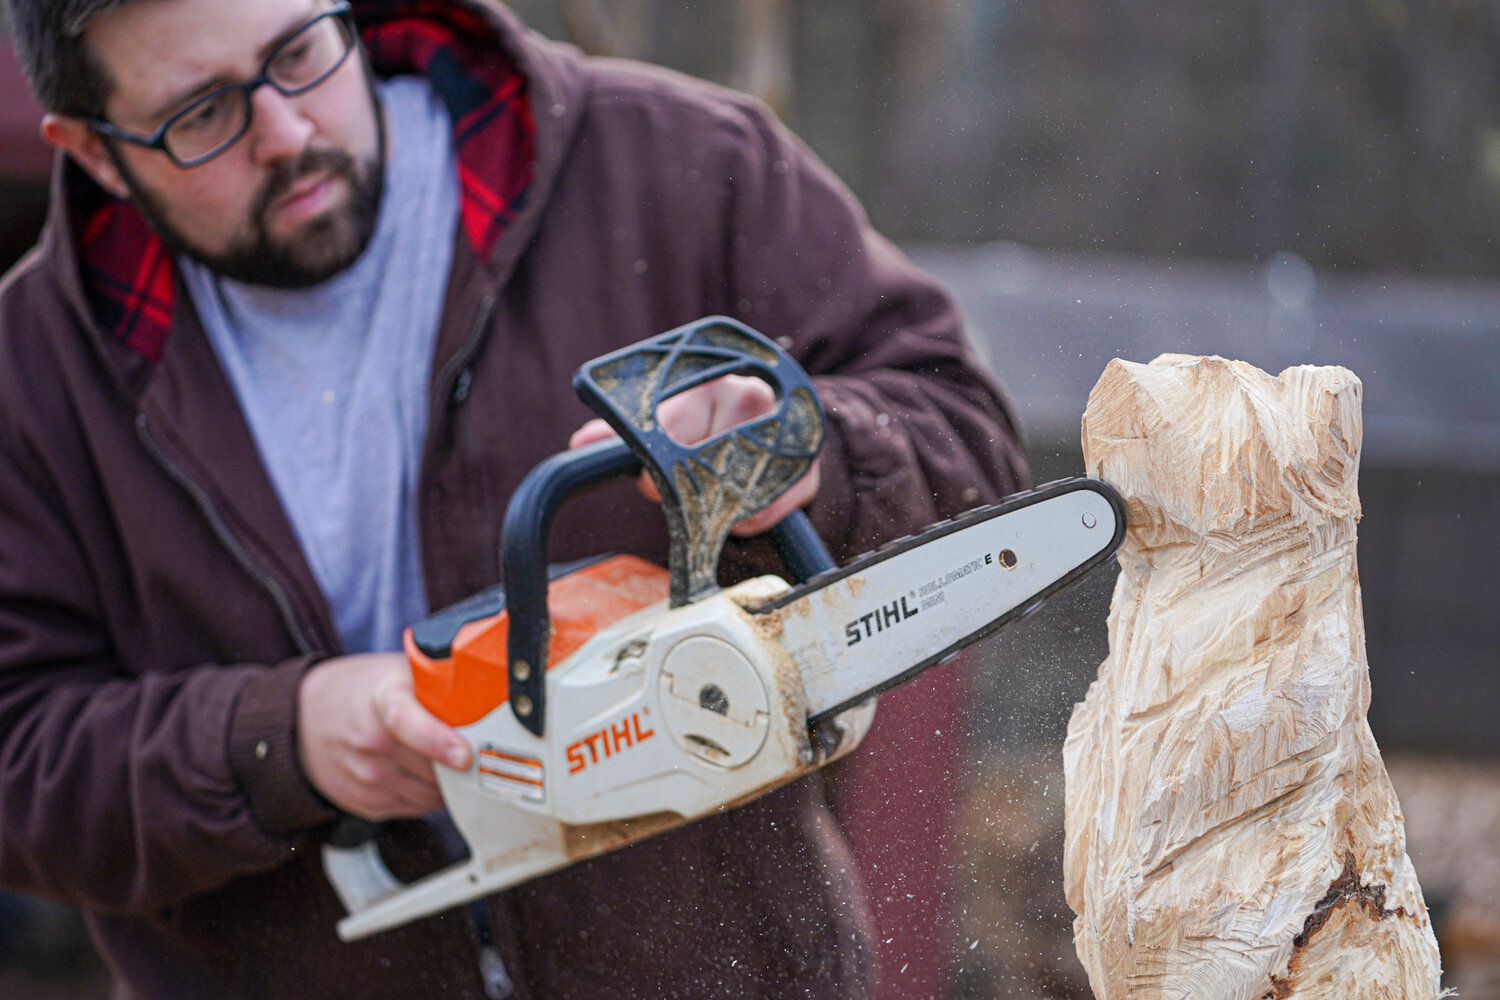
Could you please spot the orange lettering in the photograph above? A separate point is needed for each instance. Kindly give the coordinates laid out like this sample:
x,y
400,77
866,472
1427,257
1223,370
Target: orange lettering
x,y
613,738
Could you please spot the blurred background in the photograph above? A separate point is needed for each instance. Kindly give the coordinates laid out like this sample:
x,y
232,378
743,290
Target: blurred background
x,y
1275,181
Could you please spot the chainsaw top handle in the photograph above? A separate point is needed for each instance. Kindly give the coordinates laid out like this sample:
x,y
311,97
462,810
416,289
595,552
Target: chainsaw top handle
x,y
706,488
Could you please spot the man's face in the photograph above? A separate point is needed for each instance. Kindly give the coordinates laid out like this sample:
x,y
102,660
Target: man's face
x,y
294,200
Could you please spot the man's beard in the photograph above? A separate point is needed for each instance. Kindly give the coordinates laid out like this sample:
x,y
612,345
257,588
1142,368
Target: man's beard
x,y
312,254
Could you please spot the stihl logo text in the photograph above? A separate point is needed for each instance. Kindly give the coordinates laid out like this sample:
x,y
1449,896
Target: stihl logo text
x,y
608,741
877,621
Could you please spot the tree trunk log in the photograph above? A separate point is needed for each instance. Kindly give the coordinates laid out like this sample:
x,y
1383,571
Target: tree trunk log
x,y
1231,830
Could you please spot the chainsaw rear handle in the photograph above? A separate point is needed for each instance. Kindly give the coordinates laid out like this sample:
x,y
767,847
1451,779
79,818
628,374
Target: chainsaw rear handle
x,y
523,561
523,557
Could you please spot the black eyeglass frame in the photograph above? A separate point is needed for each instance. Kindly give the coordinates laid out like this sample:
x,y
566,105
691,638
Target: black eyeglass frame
x,y
158,139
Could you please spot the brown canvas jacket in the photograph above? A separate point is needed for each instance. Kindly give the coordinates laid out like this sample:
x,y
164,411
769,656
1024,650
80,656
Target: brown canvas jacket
x,y
156,613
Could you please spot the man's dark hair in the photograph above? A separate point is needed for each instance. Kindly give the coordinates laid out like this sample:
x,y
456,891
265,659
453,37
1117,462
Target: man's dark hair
x,y
48,34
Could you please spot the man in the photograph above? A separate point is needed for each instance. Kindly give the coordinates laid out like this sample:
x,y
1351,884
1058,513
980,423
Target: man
x,y
304,314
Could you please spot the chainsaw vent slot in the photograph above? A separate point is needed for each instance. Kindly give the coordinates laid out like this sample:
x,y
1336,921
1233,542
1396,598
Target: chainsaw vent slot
x,y
708,748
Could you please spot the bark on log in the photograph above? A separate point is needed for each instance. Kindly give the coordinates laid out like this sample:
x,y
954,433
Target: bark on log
x,y
1231,829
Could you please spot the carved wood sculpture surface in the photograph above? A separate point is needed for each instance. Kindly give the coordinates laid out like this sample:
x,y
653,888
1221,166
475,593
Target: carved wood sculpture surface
x,y
1231,830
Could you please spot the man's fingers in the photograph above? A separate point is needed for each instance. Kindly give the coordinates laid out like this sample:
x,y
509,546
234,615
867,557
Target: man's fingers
x,y
414,764
698,413
706,410
419,729
399,784
397,795
366,743
417,793
594,430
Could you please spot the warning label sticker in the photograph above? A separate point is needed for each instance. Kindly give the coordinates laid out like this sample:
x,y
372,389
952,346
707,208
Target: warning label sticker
x,y
511,774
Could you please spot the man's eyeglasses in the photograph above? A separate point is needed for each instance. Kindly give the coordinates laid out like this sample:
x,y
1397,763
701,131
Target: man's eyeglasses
x,y
215,121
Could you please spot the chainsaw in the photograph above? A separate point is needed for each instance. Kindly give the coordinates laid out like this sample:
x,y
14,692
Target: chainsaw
x,y
609,700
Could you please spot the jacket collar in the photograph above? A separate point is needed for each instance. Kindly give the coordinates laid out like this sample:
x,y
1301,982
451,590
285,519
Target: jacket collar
x,y
128,274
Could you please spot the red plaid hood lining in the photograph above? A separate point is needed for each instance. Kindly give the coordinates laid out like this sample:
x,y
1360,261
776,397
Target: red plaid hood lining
x,y
128,271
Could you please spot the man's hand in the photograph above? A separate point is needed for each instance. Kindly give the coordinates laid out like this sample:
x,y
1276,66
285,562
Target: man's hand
x,y
365,741
704,411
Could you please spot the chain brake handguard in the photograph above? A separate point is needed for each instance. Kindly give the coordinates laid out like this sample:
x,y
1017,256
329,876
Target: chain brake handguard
x,y
706,488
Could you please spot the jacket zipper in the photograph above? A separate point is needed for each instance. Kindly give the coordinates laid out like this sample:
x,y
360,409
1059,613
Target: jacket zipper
x,y
221,530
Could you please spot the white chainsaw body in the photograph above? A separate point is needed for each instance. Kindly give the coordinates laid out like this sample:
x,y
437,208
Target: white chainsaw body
x,y
664,717
691,706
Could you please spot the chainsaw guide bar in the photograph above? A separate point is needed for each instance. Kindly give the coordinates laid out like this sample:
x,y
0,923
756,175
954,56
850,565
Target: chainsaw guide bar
x,y
888,616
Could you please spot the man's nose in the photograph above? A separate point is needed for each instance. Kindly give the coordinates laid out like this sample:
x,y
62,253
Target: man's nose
x,y
278,128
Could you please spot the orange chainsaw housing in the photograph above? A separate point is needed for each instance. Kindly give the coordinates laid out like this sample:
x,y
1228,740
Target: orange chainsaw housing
x,y
465,687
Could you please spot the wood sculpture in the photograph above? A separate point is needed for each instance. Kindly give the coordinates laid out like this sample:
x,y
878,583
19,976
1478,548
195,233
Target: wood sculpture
x,y
1231,832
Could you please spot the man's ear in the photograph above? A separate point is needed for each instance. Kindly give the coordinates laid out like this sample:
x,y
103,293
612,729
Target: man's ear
x,y
83,144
